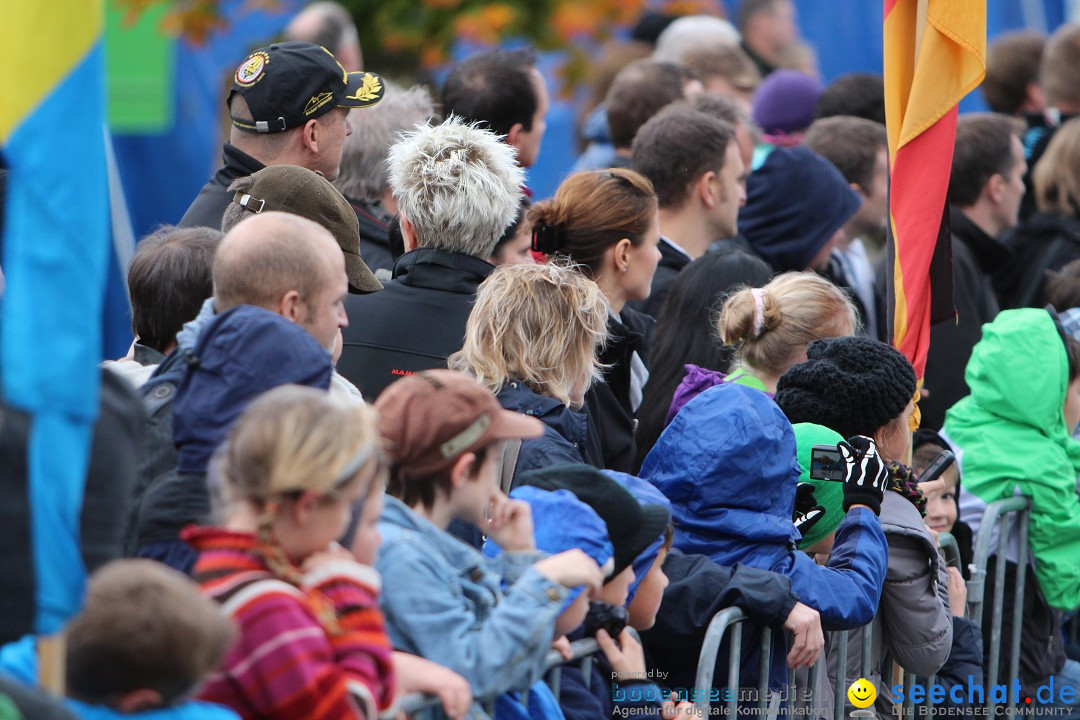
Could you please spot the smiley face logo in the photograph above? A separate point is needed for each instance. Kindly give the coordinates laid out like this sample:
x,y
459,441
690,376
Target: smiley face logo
x,y
862,693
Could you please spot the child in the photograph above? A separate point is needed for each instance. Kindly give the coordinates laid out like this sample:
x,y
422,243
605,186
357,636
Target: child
x,y
728,464
141,647
312,642
619,684
443,600
966,655
942,498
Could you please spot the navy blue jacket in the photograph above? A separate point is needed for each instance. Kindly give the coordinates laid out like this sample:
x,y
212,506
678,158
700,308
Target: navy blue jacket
x,y
569,435
697,589
241,354
604,698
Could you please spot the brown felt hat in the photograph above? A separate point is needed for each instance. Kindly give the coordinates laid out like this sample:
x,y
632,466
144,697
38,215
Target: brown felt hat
x,y
303,192
432,418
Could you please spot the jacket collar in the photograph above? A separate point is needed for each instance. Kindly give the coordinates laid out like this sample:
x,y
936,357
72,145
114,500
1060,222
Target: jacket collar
x,y
436,269
990,253
464,559
570,424
236,164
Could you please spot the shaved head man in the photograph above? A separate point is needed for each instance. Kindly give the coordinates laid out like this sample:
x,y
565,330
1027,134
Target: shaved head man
x,y
287,265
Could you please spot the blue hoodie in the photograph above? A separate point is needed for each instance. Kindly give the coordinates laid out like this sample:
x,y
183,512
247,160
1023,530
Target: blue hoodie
x,y
728,464
241,353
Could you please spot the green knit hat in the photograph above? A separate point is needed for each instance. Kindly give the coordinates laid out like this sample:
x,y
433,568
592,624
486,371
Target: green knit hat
x,y
829,493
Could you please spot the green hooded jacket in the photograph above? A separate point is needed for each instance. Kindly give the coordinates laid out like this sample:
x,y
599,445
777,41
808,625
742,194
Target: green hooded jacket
x,y
1011,431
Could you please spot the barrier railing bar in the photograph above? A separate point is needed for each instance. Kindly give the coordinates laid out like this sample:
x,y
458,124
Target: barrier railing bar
x,y
1018,607
977,584
999,598
840,690
710,649
763,668
733,668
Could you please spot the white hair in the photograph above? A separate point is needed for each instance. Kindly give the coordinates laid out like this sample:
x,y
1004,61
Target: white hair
x,y
691,33
363,173
458,185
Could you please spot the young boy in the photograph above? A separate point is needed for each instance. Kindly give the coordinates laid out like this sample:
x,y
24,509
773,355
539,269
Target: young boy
x,y
619,684
442,599
142,646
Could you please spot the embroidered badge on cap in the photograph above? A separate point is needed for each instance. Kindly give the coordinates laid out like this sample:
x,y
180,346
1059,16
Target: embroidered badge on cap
x,y
252,69
317,101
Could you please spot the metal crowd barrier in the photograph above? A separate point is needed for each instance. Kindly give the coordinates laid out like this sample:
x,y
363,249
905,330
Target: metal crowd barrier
x,y
733,619
1000,514
580,650
769,703
950,550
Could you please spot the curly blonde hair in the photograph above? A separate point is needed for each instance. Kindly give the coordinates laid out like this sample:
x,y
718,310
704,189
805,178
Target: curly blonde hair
x,y
542,325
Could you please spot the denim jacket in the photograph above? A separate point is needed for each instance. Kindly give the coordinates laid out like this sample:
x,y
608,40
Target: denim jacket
x,y
442,600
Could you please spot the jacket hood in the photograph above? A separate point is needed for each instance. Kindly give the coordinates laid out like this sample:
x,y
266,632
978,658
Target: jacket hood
x,y
572,425
241,354
795,202
727,463
436,269
1001,376
562,522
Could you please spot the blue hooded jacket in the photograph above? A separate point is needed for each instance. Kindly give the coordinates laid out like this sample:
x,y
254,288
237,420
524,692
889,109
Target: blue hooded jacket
x,y
728,464
241,353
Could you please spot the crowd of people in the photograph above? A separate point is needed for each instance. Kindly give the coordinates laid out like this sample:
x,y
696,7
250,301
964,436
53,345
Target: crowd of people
x,y
391,425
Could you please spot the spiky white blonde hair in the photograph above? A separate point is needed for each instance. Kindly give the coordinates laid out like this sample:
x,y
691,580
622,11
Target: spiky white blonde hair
x,y
458,185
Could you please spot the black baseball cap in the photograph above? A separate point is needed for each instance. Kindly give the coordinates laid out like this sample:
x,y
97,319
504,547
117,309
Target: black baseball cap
x,y
632,527
287,84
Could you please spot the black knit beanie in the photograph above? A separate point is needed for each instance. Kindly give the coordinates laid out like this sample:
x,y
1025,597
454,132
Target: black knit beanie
x,y
853,385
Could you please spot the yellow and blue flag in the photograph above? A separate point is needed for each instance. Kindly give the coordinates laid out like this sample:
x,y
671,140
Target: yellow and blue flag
x,y
56,241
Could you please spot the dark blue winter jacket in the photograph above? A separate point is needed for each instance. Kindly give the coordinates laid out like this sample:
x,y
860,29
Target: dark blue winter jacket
x,y
241,354
569,435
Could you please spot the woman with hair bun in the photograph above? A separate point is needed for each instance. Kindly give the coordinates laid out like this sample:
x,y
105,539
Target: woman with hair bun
x,y
605,222
770,328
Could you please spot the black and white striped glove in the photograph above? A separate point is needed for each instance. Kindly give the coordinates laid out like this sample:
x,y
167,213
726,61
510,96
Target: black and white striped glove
x,y
865,475
807,511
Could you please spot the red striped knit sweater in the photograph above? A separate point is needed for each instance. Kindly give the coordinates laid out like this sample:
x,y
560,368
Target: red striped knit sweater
x,y
285,664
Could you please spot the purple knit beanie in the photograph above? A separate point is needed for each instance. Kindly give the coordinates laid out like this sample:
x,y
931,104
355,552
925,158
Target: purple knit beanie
x,y
785,101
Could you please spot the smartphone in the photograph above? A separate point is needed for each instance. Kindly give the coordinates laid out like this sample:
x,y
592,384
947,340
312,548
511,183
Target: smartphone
x,y
937,466
826,463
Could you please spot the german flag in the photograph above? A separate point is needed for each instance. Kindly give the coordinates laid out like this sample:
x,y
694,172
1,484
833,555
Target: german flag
x,y
934,55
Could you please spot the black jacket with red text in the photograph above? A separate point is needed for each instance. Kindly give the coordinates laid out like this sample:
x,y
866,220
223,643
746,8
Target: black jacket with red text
x,y
414,322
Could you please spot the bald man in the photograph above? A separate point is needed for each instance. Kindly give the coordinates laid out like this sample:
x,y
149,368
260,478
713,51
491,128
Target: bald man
x,y
281,263
288,265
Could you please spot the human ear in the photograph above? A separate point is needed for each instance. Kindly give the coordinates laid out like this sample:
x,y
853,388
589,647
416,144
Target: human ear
x,y
463,470
290,306
408,233
310,135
